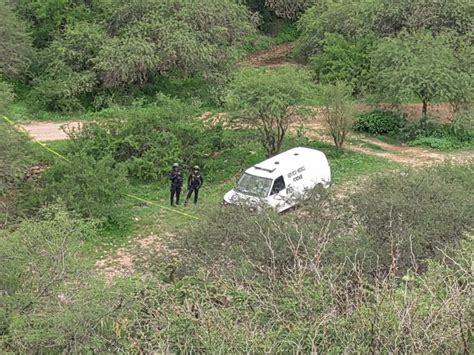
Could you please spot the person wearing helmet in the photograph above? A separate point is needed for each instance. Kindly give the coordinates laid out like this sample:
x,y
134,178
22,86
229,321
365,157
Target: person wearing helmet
x,y
195,182
176,180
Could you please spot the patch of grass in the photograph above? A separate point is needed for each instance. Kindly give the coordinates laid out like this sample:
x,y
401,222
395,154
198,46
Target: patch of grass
x,y
441,143
349,166
345,165
373,146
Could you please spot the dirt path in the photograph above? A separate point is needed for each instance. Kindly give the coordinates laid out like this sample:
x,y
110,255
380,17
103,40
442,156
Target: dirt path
x,y
402,154
413,156
123,261
270,58
48,131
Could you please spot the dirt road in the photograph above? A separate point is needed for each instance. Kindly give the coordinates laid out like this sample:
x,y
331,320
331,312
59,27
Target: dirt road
x,y
270,58
413,156
48,131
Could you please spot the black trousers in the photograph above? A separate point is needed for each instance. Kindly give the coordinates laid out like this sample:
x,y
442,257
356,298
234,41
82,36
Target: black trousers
x,y
196,194
175,191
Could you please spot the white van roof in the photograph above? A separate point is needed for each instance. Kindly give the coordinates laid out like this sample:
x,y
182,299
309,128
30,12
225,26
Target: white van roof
x,y
287,161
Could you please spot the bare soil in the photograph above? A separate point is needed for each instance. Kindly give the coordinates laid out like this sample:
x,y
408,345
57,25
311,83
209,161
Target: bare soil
x,y
48,131
122,261
273,57
403,154
414,156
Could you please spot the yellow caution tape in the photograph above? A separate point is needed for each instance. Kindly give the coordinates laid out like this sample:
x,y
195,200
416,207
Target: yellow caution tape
x,y
66,159
163,207
36,141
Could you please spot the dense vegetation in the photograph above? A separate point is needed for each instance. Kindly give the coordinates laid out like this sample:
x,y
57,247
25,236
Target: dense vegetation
x,y
381,262
92,54
327,278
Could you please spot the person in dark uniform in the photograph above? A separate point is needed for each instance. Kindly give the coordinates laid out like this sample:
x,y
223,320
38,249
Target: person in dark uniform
x,y
195,182
176,180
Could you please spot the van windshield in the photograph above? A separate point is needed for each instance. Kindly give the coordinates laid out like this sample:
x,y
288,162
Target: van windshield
x,y
254,185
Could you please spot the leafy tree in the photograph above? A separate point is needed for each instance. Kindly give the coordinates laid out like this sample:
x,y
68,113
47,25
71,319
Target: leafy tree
x,y
380,18
61,89
65,72
130,44
51,17
349,19
135,68
338,110
267,100
290,9
78,46
417,15
174,37
345,60
420,65
15,44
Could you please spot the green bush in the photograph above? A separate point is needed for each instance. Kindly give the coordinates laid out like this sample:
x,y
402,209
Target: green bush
x,y
207,314
148,140
6,96
428,132
52,300
441,143
462,126
435,134
344,60
62,89
380,122
16,157
235,239
409,217
268,273
90,187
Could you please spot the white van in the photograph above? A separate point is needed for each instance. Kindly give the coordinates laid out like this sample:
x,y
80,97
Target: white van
x,y
281,181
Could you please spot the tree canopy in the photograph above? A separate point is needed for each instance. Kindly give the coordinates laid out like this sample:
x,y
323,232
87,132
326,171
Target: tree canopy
x,y
267,99
15,43
126,45
380,18
424,66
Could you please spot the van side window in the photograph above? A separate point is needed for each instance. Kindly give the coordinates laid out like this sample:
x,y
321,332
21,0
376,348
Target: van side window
x,y
278,185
